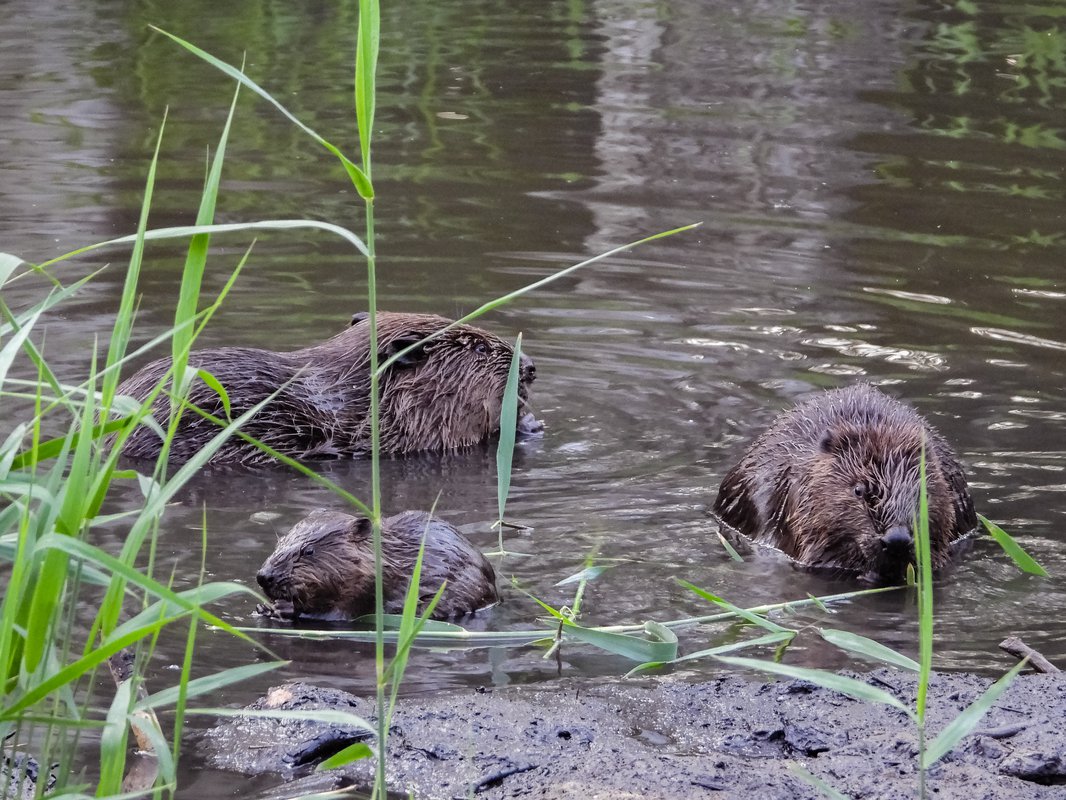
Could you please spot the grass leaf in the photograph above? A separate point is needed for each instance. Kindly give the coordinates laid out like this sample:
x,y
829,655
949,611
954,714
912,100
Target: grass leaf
x,y
661,646
813,780
743,613
732,551
360,180
208,683
827,680
218,389
966,721
508,426
353,752
587,574
1024,561
770,638
868,648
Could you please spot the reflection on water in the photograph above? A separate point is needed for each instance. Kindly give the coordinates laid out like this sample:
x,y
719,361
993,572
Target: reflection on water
x,y
880,186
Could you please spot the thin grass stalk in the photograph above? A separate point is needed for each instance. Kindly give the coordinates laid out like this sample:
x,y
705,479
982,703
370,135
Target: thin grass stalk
x,y
190,644
366,53
925,615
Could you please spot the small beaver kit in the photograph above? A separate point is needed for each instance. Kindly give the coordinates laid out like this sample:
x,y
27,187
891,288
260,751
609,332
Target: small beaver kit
x,y
324,568
442,395
834,483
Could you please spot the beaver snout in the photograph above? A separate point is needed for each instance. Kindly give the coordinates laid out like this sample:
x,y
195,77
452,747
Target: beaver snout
x,y
528,369
268,582
897,539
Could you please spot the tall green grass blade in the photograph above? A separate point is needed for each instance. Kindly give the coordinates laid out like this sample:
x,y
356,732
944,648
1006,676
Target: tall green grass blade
x,y
966,721
770,638
187,231
814,781
409,620
359,179
925,591
868,648
366,60
13,345
8,263
751,617
508,426
196,261
49,590
113,742
1024,561
206,684
827,680
120,334
484,308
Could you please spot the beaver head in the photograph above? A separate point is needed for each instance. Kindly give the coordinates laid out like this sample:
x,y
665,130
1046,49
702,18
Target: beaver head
x,y
854,503
323,568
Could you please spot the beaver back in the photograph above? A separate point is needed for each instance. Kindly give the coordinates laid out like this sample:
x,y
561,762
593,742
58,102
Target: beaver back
x,y
444,395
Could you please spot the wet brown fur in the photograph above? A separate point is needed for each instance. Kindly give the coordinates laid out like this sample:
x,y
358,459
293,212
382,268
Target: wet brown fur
x,y
831,476
324,567
442,396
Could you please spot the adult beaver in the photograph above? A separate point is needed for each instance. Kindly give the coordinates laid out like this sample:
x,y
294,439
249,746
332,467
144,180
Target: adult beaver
x,y
834,483
443,395
324,567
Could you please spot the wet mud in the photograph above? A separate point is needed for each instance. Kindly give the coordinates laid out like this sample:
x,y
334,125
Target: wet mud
x,y
728,738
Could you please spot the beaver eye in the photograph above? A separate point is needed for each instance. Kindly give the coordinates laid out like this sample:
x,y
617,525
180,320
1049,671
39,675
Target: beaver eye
x,y
860,490
307,551
481,349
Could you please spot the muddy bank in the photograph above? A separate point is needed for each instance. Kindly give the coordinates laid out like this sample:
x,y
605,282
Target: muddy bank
x,y
728,738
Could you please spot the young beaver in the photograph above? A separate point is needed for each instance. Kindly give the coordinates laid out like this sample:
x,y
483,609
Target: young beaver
x,y
324,567
834,483
443,395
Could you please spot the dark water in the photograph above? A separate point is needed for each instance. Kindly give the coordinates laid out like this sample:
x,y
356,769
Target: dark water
x,y
881,191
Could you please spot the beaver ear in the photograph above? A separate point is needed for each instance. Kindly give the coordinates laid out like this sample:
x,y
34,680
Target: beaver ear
x,y
359,316
837,440
411,358
360,530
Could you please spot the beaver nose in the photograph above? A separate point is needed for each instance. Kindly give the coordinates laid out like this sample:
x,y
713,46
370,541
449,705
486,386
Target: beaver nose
x,y
897,538
529,369
267,581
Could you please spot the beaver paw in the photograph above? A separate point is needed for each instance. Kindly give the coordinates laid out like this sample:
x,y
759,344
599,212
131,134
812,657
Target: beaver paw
x,y
528,425
280,609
